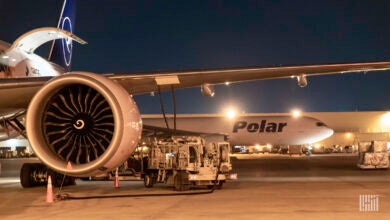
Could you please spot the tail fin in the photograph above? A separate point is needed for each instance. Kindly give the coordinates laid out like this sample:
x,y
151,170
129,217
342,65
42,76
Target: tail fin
x,y
61,50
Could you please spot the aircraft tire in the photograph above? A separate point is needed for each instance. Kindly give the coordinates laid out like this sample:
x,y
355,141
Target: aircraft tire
x,y
25,175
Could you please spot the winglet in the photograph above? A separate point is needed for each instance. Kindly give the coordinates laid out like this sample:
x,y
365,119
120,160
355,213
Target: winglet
x,y
31,40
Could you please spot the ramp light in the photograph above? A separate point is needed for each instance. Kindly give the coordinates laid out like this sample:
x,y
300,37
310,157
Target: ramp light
x,y
296,113
192,177
233,176
385,119
230,113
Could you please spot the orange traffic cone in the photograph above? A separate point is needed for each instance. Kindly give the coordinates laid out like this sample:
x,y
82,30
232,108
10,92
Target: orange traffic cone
x,y
69,166
49,191
116,182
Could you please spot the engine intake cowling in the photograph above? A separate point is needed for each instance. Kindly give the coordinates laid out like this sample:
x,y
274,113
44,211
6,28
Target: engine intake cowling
x,y
86,119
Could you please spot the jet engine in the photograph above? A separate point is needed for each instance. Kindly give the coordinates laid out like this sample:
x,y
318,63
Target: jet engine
x,y
84,119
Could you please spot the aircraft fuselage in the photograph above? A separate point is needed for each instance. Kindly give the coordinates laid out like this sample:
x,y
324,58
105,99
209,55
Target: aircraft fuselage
x,y
252,130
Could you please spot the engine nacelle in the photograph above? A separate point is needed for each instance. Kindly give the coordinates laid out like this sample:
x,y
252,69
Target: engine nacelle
x,y
301,80
85,119
207,90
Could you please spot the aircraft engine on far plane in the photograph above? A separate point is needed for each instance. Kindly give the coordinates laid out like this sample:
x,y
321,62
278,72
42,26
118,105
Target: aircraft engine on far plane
x,y
85,119
302,81
207,90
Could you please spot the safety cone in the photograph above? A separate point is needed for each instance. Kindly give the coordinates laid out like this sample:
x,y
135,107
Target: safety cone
x,y
49,191
116,182
69,166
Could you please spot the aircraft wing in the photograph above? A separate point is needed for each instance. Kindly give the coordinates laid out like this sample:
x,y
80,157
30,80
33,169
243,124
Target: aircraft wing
x,y
144,83
16,93
20,90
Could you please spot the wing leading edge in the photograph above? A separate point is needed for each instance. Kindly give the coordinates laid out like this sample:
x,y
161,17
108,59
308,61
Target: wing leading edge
x,y
144,83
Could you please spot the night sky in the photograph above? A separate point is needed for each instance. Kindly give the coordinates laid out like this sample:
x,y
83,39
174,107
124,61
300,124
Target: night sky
x,y
144,36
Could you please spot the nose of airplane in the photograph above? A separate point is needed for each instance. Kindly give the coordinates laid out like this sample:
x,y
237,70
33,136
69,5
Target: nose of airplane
x,y
323,133
320,132
328,132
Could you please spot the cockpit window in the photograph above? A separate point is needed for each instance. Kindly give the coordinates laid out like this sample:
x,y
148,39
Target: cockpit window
x,y
320,124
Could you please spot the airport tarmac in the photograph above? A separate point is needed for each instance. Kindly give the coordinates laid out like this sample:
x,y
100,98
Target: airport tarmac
x,y
269,187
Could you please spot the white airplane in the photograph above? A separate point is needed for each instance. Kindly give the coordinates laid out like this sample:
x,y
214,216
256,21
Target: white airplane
x,y
249,129
91,120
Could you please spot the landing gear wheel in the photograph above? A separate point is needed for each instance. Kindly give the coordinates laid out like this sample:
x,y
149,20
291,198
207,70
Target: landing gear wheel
x,y
32,174
25,176
58,179
70,181
148,180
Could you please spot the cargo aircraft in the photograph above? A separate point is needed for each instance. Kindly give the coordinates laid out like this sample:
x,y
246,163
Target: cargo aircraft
x,y
90,119
247,129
